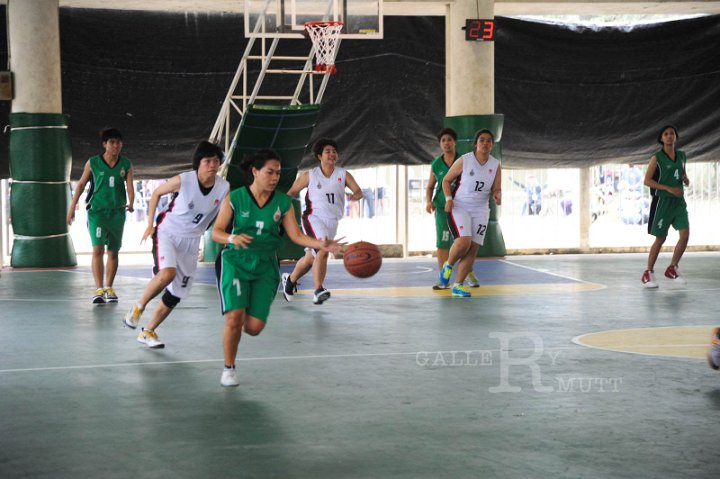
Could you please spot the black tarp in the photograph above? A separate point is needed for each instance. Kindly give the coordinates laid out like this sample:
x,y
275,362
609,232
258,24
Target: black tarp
x,y
571,97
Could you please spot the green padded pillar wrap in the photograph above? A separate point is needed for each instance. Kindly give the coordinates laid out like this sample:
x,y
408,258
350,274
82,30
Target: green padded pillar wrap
x,y
466,126
40,161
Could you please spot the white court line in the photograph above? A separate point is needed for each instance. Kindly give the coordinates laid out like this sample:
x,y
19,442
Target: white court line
x,y
551,274
274,358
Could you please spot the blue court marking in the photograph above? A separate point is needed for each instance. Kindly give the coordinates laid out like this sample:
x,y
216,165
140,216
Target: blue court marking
x,y
395,272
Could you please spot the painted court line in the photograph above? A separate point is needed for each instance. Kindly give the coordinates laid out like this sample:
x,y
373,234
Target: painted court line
x,y
270,358
548,272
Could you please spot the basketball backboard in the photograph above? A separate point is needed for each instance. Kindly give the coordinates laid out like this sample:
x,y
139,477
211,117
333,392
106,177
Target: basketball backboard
x,y
363,19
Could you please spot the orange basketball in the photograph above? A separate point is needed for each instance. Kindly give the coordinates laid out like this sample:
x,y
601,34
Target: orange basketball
x,y
362,259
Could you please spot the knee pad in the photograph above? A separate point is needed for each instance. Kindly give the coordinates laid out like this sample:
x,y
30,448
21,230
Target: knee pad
x,y
170,300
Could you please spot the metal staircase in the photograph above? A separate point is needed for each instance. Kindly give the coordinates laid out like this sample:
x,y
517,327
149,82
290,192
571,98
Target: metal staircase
x,y
245,88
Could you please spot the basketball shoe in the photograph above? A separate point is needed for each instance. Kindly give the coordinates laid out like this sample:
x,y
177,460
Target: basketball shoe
x,y
133,317
673,273
648,279
99,296
228,378
110,295
713,354
445,274
321,295
288,287
460,291
472,280
440,286
150,339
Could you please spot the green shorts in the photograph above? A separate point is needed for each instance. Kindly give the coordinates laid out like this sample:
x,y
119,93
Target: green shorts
x,y
106,228
665,212
252,292
443,238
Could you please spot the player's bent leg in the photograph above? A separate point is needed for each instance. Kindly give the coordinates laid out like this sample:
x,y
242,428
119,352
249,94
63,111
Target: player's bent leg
x,y
110,271
320,269
681,246
466,262
163,310
158,282
234,321
253,326
648,277
302,267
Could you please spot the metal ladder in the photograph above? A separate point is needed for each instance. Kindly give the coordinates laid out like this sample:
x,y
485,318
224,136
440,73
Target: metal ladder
x,y
240,95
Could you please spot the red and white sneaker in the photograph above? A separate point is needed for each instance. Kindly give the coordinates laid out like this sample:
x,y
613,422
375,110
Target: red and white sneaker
x,y
673,273
648,279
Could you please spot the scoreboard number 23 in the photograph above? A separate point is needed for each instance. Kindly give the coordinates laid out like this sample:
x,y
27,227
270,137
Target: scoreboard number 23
x,y
479,30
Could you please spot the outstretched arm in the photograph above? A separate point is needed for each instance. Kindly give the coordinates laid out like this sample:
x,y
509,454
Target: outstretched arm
x,y
171,186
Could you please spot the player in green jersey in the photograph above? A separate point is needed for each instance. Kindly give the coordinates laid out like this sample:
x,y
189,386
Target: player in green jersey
x,y
111,193
666,176
435,200
247,269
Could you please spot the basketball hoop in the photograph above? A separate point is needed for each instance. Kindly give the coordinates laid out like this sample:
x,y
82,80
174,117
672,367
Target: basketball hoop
x,y
326,39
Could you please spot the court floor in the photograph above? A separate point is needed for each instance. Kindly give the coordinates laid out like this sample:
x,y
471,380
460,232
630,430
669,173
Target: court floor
x,y
558,366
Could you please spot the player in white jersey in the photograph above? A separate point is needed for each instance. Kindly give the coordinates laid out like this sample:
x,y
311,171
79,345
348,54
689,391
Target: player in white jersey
x,y
324,207
478,176
176,234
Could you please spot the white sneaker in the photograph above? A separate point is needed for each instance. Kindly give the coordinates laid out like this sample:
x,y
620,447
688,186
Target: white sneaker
x,y
133,317
228,378
472,280
648,280
288,288
150,339
320,296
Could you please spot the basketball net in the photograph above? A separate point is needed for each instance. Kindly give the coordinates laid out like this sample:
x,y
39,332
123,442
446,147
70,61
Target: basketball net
x,y
326,39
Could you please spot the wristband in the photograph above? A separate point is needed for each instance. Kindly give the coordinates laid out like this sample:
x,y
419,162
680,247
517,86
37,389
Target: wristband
x,y
231,239
449,198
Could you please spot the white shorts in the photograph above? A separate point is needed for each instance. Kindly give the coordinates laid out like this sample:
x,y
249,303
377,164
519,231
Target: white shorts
x,y
464,223
319,228
179,253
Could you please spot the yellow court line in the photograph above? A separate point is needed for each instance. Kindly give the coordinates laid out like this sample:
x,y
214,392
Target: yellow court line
x,y
492,290
674,341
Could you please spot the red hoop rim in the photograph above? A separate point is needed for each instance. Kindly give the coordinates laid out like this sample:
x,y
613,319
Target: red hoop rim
x,y
326,23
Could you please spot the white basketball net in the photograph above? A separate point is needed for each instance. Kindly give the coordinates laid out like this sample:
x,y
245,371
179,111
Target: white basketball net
x,y
325,37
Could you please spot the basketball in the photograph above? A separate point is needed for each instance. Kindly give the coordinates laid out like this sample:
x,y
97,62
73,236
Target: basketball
x,y
362,259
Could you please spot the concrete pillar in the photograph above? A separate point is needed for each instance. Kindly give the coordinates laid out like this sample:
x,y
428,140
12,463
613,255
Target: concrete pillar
x,y
469,66
40,156
34,31
584,208
402,214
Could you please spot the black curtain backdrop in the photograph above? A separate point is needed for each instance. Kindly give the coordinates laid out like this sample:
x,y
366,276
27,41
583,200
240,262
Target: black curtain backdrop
x,y
571,97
